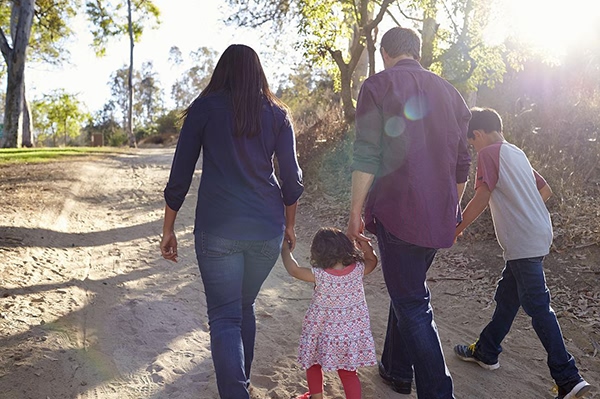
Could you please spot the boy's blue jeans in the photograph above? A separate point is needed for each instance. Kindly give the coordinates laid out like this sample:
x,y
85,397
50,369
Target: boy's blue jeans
x,y
412,340
232,273
523,283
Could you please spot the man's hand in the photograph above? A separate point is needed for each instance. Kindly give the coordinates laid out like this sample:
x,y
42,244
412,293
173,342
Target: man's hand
x,y
356,228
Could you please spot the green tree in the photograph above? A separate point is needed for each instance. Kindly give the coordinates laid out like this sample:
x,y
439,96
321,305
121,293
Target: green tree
x,y
115,19
118,84
194,79
324,29
149,95
451,32
34,30
28,27
106,123
60,116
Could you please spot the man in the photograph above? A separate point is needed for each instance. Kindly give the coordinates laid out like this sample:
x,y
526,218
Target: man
x,y
411,162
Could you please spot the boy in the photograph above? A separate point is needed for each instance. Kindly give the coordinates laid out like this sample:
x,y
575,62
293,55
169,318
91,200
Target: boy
x,y
516,194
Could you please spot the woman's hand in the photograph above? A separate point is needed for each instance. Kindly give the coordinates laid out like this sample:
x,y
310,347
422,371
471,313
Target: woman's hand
x,y
289,237
168,246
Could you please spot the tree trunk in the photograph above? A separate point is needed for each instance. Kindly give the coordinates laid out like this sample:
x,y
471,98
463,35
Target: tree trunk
x,y
132,142
27,122
430,28
346,92
362,67
15,57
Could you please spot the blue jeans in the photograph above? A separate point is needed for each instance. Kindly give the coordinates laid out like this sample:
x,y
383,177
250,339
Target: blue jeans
x,y
411,323
232,273
523,283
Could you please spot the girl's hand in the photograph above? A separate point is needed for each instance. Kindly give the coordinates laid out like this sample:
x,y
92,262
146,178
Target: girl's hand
x,y
366,247
369,254
356,229
168,246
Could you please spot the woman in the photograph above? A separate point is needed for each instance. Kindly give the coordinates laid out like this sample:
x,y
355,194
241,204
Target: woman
x,y
243,211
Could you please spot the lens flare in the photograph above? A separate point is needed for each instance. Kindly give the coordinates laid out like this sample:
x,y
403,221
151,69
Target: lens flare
x,y
415,108
395,126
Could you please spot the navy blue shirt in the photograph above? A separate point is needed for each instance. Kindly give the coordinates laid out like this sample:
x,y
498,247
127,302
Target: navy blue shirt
x,y
239,197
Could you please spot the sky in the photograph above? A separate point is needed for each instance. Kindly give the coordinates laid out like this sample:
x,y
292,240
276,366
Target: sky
x,y
550,25
188,24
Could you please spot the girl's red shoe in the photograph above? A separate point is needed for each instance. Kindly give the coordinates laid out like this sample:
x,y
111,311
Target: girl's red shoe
x,y
305,396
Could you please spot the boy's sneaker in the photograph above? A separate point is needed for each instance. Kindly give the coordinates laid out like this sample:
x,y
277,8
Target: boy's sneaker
x,y
467,354
577,389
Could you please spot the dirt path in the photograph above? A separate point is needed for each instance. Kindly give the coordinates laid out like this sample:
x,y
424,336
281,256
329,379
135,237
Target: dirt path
x,y
88,309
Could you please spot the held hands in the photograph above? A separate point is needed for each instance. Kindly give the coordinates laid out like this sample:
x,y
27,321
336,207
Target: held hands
x,y
356,229
366,247
289,238
168,246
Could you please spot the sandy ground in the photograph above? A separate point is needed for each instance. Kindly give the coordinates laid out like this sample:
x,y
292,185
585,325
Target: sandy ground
x,y
88,309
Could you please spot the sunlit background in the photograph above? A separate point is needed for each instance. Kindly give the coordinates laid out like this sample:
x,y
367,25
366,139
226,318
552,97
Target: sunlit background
x,y
548,27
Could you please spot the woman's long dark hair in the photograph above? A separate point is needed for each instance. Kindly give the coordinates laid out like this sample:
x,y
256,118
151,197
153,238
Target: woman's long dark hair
x,y
240,74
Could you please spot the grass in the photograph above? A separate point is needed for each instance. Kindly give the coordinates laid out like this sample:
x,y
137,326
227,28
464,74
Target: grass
x,y
36,155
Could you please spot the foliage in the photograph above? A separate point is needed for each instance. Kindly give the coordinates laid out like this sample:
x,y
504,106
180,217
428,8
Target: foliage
x,y
59,115
109,20
169,123
43,35
148,95
332,33
49,30
104,122
119,91
309,93
194,79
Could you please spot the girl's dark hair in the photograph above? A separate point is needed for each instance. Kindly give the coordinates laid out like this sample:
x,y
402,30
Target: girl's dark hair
x,y
330,246
239,73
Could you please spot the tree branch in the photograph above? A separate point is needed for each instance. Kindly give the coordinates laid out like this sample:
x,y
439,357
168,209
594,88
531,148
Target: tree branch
x,y
4,46
408,16
451,19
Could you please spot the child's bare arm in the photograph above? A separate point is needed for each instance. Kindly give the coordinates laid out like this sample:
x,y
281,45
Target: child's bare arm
x,y
369,255
545,192
292,267
474,208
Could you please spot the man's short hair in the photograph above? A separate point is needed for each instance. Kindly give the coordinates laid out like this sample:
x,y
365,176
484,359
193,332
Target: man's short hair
x,y
486,119
398,41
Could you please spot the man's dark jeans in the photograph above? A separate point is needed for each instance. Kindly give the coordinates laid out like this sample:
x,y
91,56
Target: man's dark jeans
x,y
412,340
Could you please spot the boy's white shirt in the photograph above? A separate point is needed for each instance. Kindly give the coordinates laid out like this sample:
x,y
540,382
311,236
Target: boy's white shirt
x,y
521,219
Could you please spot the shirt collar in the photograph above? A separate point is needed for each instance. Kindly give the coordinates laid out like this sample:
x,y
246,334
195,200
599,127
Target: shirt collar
x,y
410,63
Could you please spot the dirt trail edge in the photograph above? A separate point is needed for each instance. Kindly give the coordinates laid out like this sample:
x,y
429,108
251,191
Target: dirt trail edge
x,y
88,309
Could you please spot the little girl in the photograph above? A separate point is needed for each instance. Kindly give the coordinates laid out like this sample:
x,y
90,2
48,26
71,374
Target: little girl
x,y
336,332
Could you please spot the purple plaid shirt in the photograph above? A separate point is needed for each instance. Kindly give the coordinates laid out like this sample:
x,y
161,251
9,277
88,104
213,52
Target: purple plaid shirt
x,y
411,133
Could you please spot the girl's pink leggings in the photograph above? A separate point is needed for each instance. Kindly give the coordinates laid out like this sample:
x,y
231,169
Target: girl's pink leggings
x,y
350,381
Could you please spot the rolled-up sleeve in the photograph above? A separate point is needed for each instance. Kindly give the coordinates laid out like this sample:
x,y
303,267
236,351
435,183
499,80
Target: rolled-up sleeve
x,y
290,174
185,158
463,162
369,128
